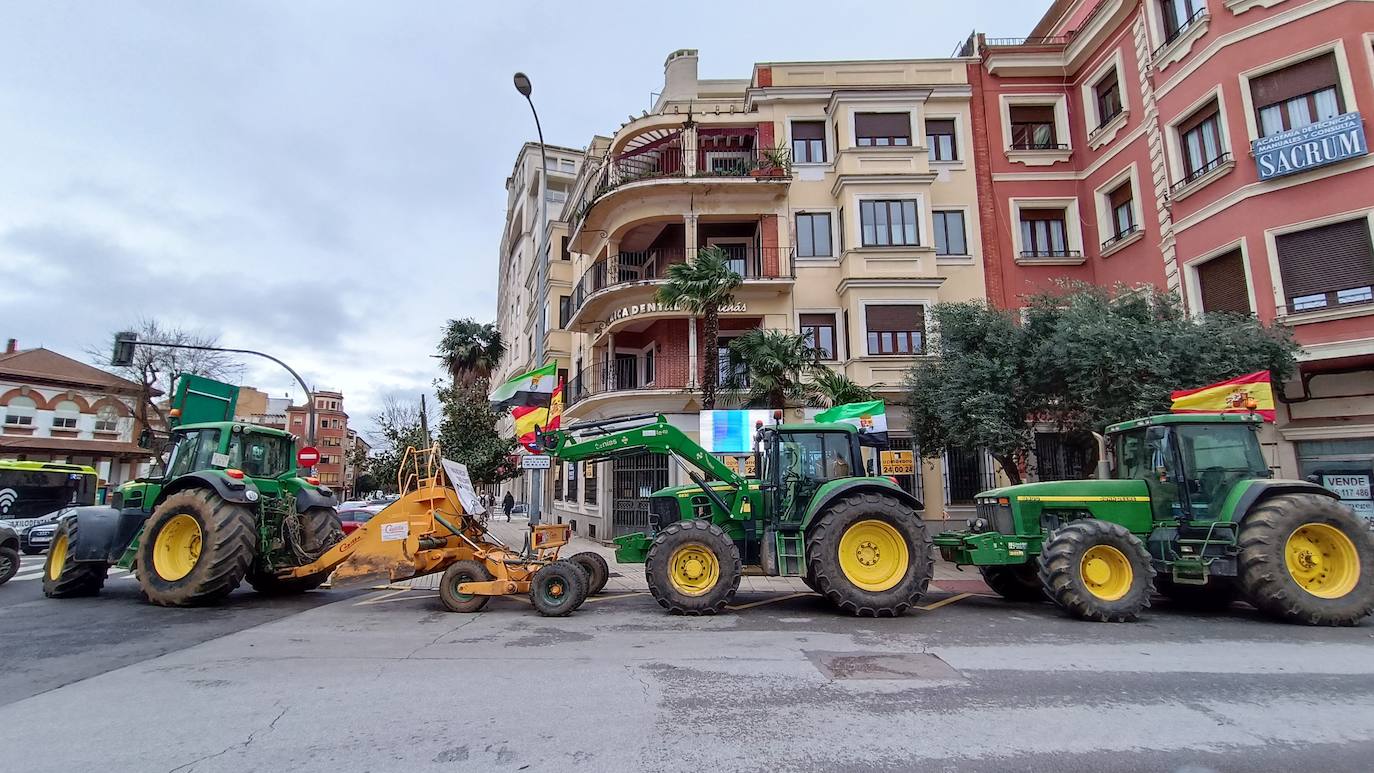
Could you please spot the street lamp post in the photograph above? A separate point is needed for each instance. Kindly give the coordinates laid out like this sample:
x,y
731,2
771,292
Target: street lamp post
x,y
523,85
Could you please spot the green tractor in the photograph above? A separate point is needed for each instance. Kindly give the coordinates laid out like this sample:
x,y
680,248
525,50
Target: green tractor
x,y
1191,511
858,541
227,505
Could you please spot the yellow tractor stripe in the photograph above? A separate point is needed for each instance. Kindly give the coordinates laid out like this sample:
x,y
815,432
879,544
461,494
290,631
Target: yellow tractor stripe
x,y
1083,499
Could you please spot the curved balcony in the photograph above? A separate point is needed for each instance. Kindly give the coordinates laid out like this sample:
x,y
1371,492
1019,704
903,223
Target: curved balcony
x,y
693,154
630,374
634,277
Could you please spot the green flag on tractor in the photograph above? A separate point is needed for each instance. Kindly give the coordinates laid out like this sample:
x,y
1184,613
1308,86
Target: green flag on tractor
x,y
870,417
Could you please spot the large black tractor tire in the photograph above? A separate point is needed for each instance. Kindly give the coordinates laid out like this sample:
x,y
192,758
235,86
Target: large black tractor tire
x,y
459,573
1015,582
869,554
693,568
1217,595
196,548
64,578
598,571
321,530
557,589
1096,570
1306,558
9,564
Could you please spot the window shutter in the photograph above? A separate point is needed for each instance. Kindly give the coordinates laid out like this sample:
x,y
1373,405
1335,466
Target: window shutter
x,y
1032,113
1295,80
1208,110
895,319
808,130
1042,214
823,320
1326,259
1120,195
882,124
1221,282
940,126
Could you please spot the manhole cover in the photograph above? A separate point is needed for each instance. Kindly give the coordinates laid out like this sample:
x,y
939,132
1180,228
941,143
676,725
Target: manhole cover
x,y
851,665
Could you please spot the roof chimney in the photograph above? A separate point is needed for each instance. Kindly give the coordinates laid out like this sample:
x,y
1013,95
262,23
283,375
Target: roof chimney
x,y
12,346
680,75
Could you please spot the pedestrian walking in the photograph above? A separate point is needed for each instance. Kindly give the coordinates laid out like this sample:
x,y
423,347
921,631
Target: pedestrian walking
x,y
508,504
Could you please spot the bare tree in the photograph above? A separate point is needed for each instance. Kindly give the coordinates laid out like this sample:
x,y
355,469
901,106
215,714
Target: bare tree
x,y
156,368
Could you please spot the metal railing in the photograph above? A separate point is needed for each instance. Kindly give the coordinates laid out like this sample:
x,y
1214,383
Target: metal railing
x,y
1178,31
1050,254
1129,232
1033,145
652,264
628,374
717,152
1192,176
1038,40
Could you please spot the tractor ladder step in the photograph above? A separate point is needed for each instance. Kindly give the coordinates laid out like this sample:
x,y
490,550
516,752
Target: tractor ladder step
x,y
791,554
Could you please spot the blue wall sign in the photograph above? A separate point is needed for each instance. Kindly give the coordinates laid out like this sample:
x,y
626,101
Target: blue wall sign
x,y
1324,142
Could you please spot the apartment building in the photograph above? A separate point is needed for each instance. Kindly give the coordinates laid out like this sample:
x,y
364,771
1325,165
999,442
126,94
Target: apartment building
x,y
1213,147
845,195
356,448
331,434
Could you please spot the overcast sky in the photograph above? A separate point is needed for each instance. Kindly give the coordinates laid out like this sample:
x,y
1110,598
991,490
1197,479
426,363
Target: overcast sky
x,y
325,180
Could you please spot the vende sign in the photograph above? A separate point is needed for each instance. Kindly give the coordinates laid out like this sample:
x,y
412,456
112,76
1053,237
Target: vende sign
x,y
1322,143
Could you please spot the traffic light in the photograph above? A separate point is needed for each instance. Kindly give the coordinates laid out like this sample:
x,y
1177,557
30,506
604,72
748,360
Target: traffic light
x,y
123,349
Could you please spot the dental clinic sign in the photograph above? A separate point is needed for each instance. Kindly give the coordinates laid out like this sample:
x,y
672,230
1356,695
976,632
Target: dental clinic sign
x,y
1319,144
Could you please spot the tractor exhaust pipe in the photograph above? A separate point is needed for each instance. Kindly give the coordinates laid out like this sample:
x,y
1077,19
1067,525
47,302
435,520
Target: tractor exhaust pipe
x,y
1104,467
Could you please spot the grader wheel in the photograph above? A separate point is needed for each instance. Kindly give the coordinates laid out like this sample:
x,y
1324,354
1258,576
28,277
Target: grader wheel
x,y
598,571
557,589
195,549
1305,558
459,573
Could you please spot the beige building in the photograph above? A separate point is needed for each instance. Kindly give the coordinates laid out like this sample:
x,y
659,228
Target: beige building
x,y
842,192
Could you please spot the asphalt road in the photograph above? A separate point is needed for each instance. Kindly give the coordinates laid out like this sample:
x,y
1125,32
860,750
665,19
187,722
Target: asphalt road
x,y
389,681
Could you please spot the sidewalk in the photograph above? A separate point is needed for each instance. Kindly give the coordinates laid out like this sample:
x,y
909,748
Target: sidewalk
x,y
629,578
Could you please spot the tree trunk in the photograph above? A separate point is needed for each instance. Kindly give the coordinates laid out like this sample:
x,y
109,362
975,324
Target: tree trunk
x,y
1008,464
711,370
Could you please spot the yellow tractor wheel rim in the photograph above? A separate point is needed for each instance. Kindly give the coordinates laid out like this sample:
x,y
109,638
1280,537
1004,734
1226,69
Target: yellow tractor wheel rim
x,y
177,547
57,556
1106,572
1322,560
873,555
693,570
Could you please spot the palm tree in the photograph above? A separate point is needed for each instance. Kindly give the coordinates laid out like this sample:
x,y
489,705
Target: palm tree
x,y
701,287
837,389
470,349
770,367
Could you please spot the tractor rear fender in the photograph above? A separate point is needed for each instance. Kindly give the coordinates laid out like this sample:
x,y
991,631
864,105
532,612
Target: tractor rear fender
x,y
837,489
309,497
1244,498
102,533
229,489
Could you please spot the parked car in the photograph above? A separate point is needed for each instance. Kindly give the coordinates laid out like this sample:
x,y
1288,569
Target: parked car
x,y
9,553
37,538
24,526
353,517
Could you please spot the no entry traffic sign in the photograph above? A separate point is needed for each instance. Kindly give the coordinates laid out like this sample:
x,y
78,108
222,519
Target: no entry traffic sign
x,y
308,456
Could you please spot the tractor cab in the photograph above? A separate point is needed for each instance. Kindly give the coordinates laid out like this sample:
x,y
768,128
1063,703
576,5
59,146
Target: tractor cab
x,y
1190,463
795,460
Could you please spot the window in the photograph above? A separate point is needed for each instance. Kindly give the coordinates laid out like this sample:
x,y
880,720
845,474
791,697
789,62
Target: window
x,y
1108,95
555,196
558,480
813,235
1122,211
261,456
564,310
1200,136
1043,234
106,420
949,233
940,140
819,332
1032,127
1331,265
1179,14
65,415
1298,95
563,253
1221,284
572,483
888,223
895,329
882,129
808,142
589,482
815,457
20,412
567,166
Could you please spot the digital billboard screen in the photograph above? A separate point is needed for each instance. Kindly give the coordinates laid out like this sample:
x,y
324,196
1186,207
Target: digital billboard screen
x,y
731,432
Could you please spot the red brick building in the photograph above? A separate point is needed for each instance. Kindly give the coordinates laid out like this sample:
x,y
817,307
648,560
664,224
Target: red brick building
x,y
331,434
1213,147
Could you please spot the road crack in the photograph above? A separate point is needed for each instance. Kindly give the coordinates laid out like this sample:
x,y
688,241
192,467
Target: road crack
x,y
244,744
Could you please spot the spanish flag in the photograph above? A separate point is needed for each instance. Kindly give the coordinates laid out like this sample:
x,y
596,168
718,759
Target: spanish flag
x,y
527,417
1229,396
